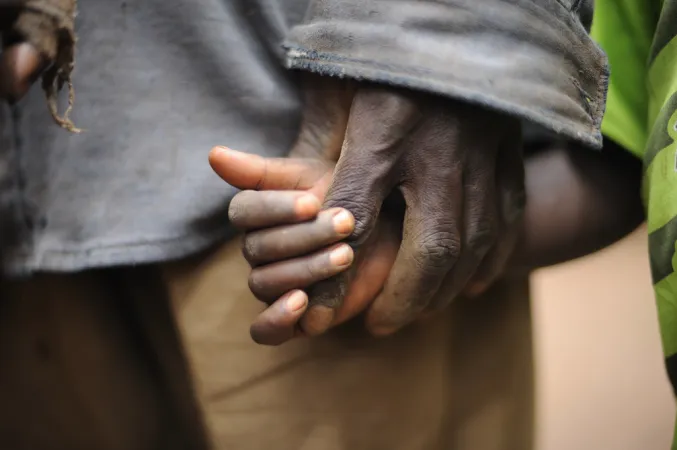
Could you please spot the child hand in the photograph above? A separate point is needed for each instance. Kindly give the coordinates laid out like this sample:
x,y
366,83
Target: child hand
x,y
292,245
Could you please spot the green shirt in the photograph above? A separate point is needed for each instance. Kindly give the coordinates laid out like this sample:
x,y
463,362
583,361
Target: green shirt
x,y
640,37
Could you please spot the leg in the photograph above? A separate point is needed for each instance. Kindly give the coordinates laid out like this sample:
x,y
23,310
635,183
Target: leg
x,y
445,384
82,371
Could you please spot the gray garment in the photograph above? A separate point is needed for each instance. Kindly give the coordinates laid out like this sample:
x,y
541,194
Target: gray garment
x,y
159,82
530,58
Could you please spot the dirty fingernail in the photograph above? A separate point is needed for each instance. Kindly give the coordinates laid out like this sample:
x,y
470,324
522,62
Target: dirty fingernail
x,y
296,301
307,206
341,256
343,222
317,320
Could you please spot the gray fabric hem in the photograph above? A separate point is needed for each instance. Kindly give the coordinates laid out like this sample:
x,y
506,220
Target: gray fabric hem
x,y
327,64
98,257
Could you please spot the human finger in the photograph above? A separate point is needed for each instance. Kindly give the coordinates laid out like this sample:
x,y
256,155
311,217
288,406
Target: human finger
x,y
364,175
480,215
289,241
431,246
272,280
249,171
277,323
253,210
511,198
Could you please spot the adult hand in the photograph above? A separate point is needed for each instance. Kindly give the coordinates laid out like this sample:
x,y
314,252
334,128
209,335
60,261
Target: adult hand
x,y
20,62
460,171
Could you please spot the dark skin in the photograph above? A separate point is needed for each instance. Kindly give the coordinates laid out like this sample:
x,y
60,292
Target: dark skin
x,y
579,202
430,153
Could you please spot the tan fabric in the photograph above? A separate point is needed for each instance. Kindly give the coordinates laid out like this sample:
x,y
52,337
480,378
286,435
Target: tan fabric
x,y
91,361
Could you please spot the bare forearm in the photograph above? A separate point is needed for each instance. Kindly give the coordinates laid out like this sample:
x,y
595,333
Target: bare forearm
x,y
579,201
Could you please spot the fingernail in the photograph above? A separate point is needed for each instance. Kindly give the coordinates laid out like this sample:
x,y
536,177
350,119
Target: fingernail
x,y
343,222
296,301
307,206
342,256
317,320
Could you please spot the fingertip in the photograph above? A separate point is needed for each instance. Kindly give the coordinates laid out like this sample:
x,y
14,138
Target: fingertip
x,y
240,169
297,302
219,155
342,256
317,320
262,337
344,222
215,153
277,323
307,207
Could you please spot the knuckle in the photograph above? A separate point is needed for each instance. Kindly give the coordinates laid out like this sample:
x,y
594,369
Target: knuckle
x,y
482,236
437,250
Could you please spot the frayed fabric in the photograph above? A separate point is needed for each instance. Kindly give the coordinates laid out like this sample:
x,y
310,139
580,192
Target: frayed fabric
x,y
49,25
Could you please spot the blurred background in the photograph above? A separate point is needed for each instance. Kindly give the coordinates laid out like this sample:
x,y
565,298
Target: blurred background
x,y
599,367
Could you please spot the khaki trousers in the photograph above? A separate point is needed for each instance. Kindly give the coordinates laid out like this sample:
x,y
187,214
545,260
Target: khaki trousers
x,y
159,357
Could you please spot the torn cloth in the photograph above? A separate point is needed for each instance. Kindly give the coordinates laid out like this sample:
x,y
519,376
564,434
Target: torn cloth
x,y
49,26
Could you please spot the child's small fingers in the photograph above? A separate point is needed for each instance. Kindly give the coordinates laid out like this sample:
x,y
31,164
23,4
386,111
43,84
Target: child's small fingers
x,y
252,209
270,281
277,323
289,241
249,171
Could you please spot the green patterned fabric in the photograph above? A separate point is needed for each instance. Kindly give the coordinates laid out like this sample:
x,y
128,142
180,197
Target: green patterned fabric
x,y
640,38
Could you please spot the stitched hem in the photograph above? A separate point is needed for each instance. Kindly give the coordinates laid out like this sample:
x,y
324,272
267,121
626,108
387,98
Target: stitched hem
x,y
100,256
330,64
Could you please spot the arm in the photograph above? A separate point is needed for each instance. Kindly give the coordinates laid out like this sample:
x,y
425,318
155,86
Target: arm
x,y
578,202
487,64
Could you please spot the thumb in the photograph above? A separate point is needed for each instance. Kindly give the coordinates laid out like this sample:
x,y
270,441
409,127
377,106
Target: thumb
x,y
20,65
356,191
364,175
249,171
363,198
